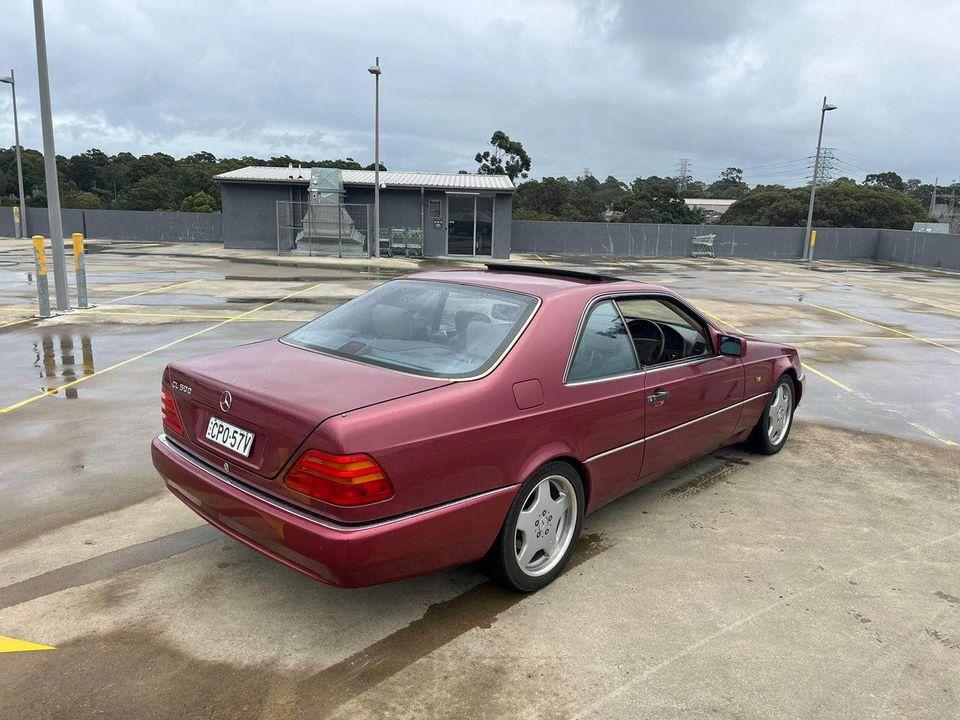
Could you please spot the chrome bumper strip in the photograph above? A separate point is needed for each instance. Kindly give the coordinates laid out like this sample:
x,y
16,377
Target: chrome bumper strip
x,y
187,456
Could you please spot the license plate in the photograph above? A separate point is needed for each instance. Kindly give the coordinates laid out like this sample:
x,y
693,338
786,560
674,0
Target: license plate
x,y
229,436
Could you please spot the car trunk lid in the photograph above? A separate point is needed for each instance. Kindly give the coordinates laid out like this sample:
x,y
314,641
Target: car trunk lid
x,y
278,392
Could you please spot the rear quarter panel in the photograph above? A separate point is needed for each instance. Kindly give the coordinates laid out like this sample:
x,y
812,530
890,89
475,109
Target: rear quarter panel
x,y
470,437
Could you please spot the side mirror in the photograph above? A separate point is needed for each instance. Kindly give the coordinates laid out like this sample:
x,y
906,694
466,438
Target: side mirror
x,y
732,346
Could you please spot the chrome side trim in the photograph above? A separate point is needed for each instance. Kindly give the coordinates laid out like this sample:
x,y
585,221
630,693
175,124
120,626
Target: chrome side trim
x,y
676,427
293,510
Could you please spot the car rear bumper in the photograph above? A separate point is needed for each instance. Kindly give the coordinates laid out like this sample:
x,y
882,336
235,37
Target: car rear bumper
x,y
344,555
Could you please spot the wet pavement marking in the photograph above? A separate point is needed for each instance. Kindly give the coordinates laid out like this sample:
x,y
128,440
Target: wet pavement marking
x,y
12,645
154,290
107,565
884,327
813,336
186,316
442,623
72,383
820,373
931,433
18,322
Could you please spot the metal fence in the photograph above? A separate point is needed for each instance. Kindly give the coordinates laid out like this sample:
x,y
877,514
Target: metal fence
x,y
331,230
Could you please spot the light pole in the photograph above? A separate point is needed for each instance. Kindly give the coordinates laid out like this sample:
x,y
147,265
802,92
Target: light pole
x,y
50,164
807,246
375,71
22,226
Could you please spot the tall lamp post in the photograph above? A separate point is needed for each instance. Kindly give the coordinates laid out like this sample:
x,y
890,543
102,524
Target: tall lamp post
x,y
375,71
50,164
22,225
807,245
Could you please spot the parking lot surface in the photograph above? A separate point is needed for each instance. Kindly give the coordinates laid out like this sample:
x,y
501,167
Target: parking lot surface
x,y
820,582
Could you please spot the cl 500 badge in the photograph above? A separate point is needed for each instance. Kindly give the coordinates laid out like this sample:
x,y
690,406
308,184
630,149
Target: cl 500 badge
x,y
185,389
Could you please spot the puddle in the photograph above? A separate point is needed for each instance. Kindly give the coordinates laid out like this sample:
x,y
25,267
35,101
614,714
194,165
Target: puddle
x,y
63,355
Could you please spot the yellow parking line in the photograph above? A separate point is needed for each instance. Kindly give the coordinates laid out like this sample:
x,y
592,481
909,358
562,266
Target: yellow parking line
x,y
154,290
826,377
814,336
931,433
886,327
541,259
72,383
187,316
17,322
724,322
11,645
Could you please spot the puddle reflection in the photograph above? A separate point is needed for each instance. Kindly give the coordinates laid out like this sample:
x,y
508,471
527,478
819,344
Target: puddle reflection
x,y
55,356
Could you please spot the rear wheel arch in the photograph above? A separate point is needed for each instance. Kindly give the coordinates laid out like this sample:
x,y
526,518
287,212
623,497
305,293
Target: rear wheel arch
x,y
555,452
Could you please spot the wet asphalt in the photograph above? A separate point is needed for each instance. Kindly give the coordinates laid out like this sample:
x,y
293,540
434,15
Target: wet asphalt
x,y
821,582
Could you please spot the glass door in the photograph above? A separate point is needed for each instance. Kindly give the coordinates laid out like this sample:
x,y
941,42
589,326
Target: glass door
x,y
469,224
461,217
484,232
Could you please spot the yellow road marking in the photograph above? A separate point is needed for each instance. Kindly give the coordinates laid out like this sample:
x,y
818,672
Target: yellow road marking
x,y
851,337
17,322
187,316
11,645
72,383
541,259
931,433
724,322
826,377
154,290
885,327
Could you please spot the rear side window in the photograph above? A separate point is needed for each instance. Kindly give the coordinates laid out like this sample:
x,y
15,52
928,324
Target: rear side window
x,y
604,348
428,328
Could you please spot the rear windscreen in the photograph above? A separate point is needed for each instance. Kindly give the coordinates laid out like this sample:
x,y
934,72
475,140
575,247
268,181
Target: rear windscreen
x,y
437,329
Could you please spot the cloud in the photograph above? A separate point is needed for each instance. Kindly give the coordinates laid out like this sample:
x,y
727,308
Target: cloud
x,y
620,88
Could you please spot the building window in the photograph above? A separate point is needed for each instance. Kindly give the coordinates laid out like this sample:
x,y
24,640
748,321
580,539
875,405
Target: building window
x,y
433,209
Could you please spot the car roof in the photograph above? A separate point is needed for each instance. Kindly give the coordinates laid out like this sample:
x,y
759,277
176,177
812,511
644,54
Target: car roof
x,y
533,281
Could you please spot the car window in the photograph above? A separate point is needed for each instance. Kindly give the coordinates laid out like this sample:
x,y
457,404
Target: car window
x,y
603,349
428,328
663,331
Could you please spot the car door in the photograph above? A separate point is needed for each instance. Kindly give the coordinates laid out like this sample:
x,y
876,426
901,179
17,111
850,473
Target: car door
x,y
692,394
603,389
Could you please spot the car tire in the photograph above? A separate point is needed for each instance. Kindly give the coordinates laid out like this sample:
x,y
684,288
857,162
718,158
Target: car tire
x,y
541,529
773,428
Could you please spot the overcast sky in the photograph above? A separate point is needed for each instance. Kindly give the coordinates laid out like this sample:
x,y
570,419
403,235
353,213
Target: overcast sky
x,y
620,88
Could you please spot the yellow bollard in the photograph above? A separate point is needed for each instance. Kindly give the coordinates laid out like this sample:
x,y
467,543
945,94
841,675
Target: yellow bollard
x,y
77,249
813,239
43,292
79,267
41,255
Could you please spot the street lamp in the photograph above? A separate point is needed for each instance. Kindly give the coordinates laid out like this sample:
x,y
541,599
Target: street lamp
x,y
807,245
375,71
22,225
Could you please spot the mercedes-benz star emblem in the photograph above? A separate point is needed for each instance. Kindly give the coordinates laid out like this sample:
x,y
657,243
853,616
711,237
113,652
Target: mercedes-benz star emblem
x,y
226,400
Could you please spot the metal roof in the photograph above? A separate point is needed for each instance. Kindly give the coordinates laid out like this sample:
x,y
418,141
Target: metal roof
x,y
442,181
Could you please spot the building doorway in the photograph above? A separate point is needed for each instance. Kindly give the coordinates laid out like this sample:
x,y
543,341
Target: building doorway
x,y
469,224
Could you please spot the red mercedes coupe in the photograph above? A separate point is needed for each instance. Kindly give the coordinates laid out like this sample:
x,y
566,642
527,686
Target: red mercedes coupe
x,y
447,417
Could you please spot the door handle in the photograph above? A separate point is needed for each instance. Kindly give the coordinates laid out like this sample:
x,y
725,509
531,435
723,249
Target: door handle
x,y
658,397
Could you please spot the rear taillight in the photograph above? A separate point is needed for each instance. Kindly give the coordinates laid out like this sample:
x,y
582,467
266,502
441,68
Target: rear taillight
x,y
169,413
339,479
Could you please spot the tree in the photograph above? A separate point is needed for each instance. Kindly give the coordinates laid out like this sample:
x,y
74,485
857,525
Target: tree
x,y
730,186
199,202
842,203
508,158
887,179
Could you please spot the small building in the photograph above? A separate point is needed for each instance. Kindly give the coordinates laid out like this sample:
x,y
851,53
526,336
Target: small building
x,y
712,209
456,213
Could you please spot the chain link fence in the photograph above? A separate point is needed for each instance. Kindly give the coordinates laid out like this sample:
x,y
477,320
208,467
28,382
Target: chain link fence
x,y
329,230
